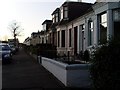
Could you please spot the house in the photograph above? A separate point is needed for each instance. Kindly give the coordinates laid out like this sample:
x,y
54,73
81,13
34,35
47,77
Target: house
x,y
67,34
53,29
34,38
46,25
95,26
79,26
27,41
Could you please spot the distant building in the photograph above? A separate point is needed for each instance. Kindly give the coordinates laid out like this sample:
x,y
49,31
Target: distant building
x,y
27,41
46,25
53,29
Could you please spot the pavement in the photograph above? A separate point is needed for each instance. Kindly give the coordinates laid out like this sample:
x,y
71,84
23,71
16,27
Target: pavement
x,y
24,73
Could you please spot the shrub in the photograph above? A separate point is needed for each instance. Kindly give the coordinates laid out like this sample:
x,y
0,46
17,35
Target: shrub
x,y
47,50
105,66
86,56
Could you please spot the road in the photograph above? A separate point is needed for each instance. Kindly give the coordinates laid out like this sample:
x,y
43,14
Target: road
x,y
24,73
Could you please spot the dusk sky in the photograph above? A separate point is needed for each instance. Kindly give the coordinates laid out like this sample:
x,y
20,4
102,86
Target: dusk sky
x,y
30,13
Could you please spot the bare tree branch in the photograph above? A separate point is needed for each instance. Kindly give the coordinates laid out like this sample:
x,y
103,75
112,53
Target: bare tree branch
x,y
15,28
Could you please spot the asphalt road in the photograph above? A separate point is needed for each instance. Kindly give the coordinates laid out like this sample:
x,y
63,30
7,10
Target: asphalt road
x,y
24,73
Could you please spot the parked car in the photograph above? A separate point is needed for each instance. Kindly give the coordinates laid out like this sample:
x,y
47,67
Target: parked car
x,y
13,49
5,53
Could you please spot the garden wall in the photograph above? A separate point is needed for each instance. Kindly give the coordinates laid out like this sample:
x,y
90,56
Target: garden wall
x,y
73,75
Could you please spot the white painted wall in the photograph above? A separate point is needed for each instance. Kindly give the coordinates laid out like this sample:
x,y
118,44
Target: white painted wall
x,y
75,75
78,78
56,68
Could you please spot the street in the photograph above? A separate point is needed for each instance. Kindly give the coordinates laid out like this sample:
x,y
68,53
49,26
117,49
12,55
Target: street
x,y
24,73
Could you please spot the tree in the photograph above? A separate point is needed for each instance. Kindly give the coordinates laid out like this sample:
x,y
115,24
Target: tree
x,y
15,29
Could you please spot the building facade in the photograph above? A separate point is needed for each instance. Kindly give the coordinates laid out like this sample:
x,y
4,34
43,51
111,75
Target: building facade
x,y
67,30
79,26
96,26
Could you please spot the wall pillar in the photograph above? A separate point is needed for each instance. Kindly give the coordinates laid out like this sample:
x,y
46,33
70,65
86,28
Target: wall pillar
x,y
78,38
96,30
109,24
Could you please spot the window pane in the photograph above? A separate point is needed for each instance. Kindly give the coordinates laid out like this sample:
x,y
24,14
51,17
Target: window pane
x,y
117,15
103,28
103,34
61,13
56,19
90,33
103,17
69,37
65,8
65,14
58,38
63,38
104,24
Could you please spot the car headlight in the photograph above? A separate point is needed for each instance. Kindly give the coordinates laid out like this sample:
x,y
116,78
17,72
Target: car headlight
x,y
7,55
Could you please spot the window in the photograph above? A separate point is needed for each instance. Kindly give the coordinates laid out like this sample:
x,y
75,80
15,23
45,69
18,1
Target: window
x,y
44,27
65,12
116,14
56,17
50,37
58,38
63,38
90,33
61,11
53,18
103,28
70,38
43,40
82,28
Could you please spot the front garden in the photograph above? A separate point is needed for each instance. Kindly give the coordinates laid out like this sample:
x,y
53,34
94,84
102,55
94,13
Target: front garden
x,y
103,68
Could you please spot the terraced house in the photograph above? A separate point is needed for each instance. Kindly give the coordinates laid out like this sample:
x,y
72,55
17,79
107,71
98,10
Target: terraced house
x,y
84,25
78,26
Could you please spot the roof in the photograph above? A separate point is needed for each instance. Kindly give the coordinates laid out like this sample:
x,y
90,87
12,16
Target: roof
x,y
75,10
55,11
47,21
73,2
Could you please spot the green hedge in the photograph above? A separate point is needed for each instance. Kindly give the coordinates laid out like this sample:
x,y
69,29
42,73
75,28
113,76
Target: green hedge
x,y
105,72
45,50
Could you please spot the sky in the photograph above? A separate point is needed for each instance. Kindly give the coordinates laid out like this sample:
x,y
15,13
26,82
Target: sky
x,y
29,13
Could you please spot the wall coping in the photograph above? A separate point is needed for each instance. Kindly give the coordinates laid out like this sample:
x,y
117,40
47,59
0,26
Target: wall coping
x,y
67,66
